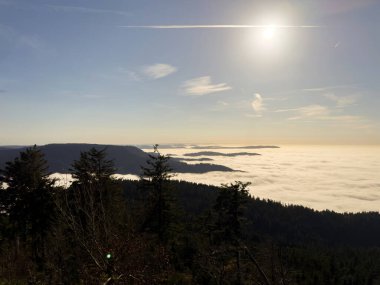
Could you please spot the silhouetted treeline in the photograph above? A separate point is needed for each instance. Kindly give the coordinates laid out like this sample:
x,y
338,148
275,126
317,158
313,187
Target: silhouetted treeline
x,y
161,231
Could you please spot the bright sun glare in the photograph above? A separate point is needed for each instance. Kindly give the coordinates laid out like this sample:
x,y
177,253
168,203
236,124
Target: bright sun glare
x,y
269,39
269,32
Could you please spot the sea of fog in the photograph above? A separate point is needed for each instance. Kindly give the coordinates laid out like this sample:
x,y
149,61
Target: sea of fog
x,y
339,178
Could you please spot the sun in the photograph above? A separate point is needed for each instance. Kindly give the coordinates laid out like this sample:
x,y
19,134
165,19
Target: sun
x,y
269,38
269,32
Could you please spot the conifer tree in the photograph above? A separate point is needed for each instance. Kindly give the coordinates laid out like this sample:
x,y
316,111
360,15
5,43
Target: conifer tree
x,y
228,225
92,209
92,167
161,214
29,199
90,197
229,211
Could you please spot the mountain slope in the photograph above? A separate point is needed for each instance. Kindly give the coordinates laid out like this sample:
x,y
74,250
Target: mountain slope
x,y
127,159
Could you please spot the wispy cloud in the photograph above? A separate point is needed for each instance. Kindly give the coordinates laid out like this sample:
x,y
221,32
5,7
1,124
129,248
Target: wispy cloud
x,y
301,109
217,26
276,98
223,103
328,88
323,113
341,101
257,104
79,9
345,118
140,74
249,115
220,106
202,86
311,111
129,74
159,70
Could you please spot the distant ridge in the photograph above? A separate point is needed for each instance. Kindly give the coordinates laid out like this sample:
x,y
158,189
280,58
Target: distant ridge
x,y
12,146
235,147
190,146
195,159
214,153
127,159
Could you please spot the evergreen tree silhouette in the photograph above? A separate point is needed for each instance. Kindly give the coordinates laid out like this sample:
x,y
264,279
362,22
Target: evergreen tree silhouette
x,y
29,200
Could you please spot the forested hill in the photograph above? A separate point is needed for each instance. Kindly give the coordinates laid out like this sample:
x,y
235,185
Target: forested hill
x,y
284,224
127,159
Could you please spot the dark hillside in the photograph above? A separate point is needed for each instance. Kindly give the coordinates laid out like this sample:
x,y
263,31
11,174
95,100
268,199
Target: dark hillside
x,y
286,224
127,159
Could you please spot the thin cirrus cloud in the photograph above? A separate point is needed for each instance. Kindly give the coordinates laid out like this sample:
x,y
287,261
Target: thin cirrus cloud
x,y
329,88
78,9
323,113
313,111
310,111
216,26
202,86
129,74
158,70
341,101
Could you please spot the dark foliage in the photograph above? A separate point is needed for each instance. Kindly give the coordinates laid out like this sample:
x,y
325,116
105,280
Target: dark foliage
x,y
160,208
27,204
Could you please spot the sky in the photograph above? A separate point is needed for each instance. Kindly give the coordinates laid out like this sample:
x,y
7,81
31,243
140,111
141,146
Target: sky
x,y
200,71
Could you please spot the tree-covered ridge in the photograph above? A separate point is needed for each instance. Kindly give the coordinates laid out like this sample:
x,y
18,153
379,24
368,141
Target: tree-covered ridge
x,y
161,231
214,153
126,159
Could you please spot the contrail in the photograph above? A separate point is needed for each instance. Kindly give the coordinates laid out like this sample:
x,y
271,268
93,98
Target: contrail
x,y
216,26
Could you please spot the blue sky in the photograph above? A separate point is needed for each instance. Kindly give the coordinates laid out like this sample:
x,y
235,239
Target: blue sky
x,y
129,72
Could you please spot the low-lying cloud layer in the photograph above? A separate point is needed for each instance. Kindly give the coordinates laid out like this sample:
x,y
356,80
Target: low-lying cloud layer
x,y
343,179
339,178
